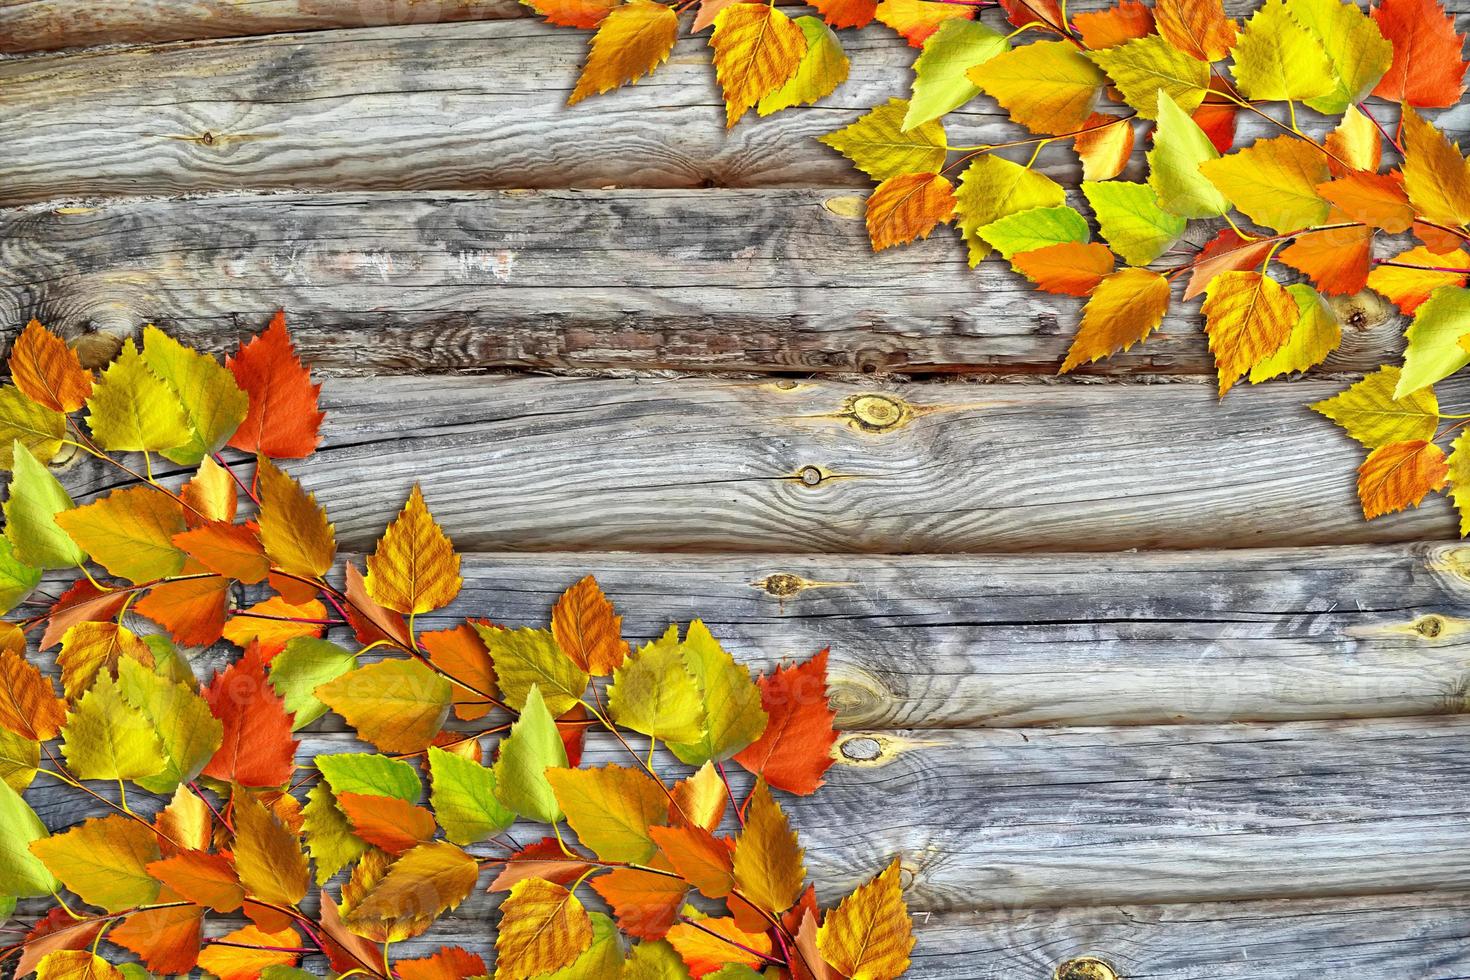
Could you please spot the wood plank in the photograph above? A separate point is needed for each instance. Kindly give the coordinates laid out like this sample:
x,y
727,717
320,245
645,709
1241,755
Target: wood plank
x,y
1012,818
994,641
46,25
768,280
647,464
417,108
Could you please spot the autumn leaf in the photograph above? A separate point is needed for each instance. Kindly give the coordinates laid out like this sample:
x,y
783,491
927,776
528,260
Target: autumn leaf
x,y
28,703
30,515
1277,59
129,532
631,41
1357,53
1356,144
1199,28
1369,412
293,527
527,658
1376,200
585,14
1147,66
869,933
1104,146
940,81
415,568
106,738
191,609
611,809
386,822
1411,277
35,427
1433,351
76,964
757,49
461,654
1226,252
204,879
1071,268
543,928
1179,148
908,207
210,495
47,371
917,20
1398,475
256,747
1316,335
846,13
1123,310
1048,87
464,798
398,705
104,860
1123,21
423,883
769,867
878,145
283,421
166,939
1248,317
1436,177
544,859
587,629
89,648
645,903
449,963
187,732
1273,182
1335,259
247,953
1026,231
532,747
992,188
213,404
1130,218
795,750
1427,69
822,69
132,408
712,943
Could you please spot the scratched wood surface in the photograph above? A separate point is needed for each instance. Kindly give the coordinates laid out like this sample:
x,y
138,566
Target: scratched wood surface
x,y
1125,674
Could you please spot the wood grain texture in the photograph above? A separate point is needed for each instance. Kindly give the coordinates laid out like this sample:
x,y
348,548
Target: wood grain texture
x,y
761,280
1015,818
420,107
646,464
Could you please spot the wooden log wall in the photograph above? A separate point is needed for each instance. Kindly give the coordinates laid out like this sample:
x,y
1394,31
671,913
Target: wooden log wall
x,y
1124,673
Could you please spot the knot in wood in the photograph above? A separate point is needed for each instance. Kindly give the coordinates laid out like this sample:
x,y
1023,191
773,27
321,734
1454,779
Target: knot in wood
x,y
783,585
1085,968
876,413
809,475
861,749
1429,626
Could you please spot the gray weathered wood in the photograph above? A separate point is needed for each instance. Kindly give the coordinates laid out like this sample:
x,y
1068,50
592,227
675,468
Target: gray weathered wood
x,y
777,279
681,464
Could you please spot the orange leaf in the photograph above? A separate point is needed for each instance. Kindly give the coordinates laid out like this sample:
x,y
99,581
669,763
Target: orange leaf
x,y
370,621
846,13
1104,147
1398,475
231,550
708,11
283,420
1123,21
1226,252
28,703
461,654
703,859
631,41
1023,12
1373,199
1427,69
1217,120
210,495
47,371
271,624
54,932
244,953
1336,259
345,950
387,822
907,207
450,963
414,568
699,800
1248,317
543,859
1123,310
165,939
796,747
204,879
1199,28
257,749
645,904
1071,268
585,14
917,19
704,953
587,629
1408,288
192,610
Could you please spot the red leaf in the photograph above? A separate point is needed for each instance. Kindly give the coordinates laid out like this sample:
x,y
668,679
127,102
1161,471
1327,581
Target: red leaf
x,y
796,748
1337,260
82,603
192,610
283,421
258,748
1226,252
450,963
544,859
1427,69
846,13
55,931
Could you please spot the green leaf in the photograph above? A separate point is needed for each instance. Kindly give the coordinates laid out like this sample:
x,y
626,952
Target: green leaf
x,y
17,579
1145,66
940,85
133,409
1357,51
35,499
1037,228
822,69
370,775
654,960
653,692
527,658
106,738
1277,59
1131,220
38,428
464,799
306,664
733,716
19,759
22,874
1180,146
1434,352
993,187
214,405
187,730
880,147
329,835
167,662
1316,334
532,747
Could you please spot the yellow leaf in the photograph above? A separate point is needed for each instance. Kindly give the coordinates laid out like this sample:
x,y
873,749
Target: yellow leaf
x,y
822,69
542,928
48,371
106,738
76,964
1398,475
132,408
105,861
1124,309
250,951
1416,274
1435,173
1146,66
1357,52
129,532
757,50
1459,477
1199,28
587,630
210,495
414,568
769,866
1274,182
268,856
908,207
420,886
699,800
880,147
293,526
631,41
992,188
398,705
34,426
1048,87
611,809
1248,317
1356,142
1316,334
654,692
1277,59
214,404
88,648
186,821
869,935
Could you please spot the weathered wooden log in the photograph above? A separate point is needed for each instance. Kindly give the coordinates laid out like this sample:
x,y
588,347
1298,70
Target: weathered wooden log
x,y
771,280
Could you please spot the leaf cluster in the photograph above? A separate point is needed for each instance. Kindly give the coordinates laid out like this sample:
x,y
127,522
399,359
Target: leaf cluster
x,y
476,729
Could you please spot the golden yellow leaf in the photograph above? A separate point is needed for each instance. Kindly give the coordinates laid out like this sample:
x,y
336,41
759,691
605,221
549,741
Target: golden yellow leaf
x,y
1048,87
104,860
543,928
293,526
1124,308
1277,59
1274,182
586,628
1146,66
88,648
1199,28
414,568
1459,478
268,856
822,69
1435,173
699,800
631,41
1417,273
611,809
398,705
908,207
757,50
769,865
133,409
1356,143
413,891
76,964
48,371
186,821
28,704
1316,334
869,935
129,532
210,495
1248,317
880,147
1398,475
245,953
